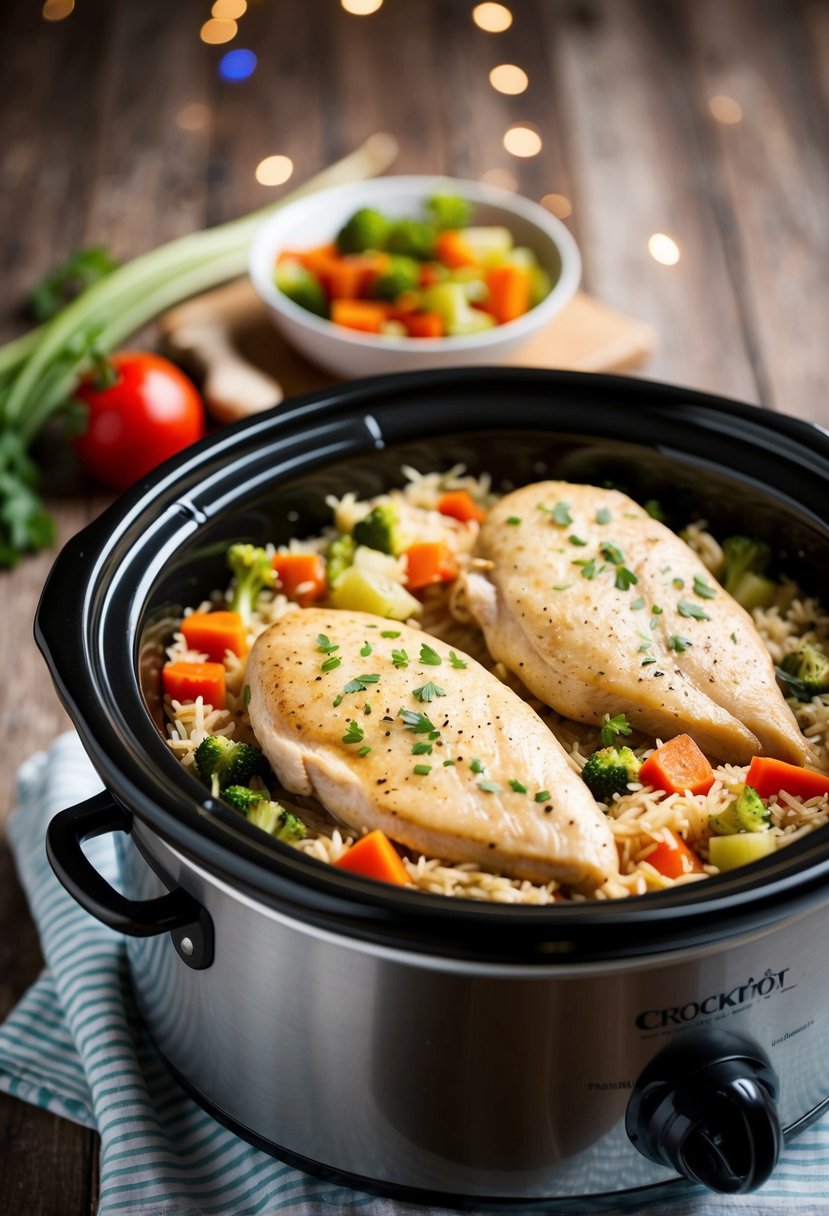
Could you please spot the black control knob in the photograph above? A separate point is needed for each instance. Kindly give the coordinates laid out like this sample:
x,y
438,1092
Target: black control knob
x,y
706,1107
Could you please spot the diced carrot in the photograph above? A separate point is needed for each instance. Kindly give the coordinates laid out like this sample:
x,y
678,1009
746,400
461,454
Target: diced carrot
x,y
312,258
768,776
213,633
459,504
186,681
345,276
677,766
301,577
369,316
424,325
510,292
429,562
374,856
405,304
672,857
429,275
453,251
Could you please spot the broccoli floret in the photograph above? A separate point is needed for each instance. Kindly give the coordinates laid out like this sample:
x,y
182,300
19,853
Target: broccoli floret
x,y
339,556
744,576
297,283
366,229
220,762
608,771
747,813
252,572
449,211
805,671
413,238
242,798
276,821
402,275
380,529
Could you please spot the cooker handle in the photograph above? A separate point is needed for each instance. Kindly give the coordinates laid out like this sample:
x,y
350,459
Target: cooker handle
x,y
176,912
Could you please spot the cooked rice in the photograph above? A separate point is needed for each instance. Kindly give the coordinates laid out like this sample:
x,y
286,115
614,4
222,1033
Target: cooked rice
x,y
639,819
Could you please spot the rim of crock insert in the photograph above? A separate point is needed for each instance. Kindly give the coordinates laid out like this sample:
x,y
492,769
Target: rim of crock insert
x,y
89,618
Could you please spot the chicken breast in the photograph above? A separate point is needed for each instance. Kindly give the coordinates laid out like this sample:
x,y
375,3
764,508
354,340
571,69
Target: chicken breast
x,y
388,730
599,608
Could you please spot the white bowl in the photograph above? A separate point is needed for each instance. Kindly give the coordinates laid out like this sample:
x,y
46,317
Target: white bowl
x,y
317,219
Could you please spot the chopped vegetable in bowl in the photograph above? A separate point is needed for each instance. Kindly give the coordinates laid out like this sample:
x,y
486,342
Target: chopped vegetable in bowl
x,y
432,276
385,701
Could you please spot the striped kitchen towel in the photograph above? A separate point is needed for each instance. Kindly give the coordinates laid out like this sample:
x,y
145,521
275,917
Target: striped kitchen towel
x,y
74,1045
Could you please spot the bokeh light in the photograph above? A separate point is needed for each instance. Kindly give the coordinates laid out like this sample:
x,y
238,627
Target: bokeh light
x,y
494,18
522,141
216,31
274,170
361,8
663,249
56,10
558,204
193,117
725,109
500,177
229,10
508,78
237,65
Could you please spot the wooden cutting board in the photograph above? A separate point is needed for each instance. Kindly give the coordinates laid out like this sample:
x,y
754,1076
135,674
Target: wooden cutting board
x,y
226,338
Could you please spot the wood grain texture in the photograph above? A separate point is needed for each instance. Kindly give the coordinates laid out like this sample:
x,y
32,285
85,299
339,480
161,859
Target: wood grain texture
x,y
97,148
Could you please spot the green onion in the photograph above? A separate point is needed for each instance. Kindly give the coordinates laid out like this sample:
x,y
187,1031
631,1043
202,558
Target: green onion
x,y
422,770
456,662
476,766
687,609
418,723
324,644
702,589
421,749
603,516
679,644
513,521
517,786
330,664
365,650
429,657
390,633
489,787
542,796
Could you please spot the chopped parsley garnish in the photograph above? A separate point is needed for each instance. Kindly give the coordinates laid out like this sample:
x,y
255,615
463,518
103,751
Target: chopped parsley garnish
x,y
338,700
354,734
246,694
366,709
656,610
456,662
589,569
358,684
476,766
645,646
702,589
325,645
678,583
429,657
542,795
400,658
559,512
613,726
733,637
577,540
675,642
624,578
489,787
517,786
654,509
422,770
638,603
419,723
363,751
513,520
687,609
561,586
645,662
613,553
602,516
365,650
330,664
448,763
421,749
390,633
428,692
434,734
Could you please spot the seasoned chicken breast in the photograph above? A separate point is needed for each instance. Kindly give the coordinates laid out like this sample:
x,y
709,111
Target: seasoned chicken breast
x,y
391,729
597,607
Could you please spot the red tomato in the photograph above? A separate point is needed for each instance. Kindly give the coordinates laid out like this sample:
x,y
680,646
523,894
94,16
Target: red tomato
x,y
151,412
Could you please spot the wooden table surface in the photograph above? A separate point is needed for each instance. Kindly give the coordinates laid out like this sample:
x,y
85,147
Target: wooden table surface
x,y
117,130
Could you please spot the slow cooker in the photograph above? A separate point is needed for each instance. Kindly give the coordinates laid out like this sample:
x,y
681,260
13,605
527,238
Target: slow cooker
x,y
409,1044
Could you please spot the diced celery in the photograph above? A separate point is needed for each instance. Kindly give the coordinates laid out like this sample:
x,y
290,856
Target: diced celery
x,y
541,284
360,590
729,852
450,301
265,815
755,591
484,241
522,256
297,283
